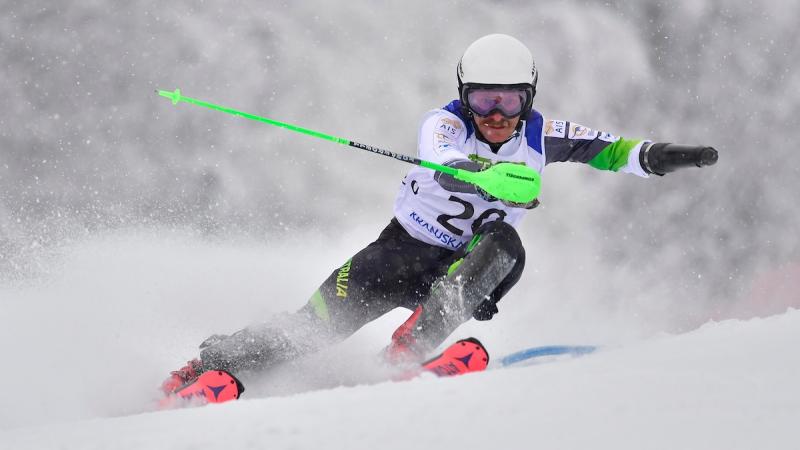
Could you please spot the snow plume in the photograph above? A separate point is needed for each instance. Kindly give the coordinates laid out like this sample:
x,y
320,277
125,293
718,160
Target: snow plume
x,y
115,313
97,335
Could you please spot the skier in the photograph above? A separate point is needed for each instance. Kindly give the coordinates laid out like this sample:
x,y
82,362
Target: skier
x,y
451,251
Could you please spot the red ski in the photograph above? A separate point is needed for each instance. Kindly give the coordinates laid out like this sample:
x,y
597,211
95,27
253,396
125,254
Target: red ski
x,y
214,386
217,386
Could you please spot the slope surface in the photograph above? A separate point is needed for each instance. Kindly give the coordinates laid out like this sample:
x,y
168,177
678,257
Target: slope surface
x,y
730,385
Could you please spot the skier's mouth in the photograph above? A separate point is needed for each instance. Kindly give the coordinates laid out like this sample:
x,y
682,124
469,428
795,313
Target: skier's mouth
x,y
496,129
502,125
494,122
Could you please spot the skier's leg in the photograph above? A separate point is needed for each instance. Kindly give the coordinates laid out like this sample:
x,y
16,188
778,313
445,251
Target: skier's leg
x,y
384,275
479,275
284,337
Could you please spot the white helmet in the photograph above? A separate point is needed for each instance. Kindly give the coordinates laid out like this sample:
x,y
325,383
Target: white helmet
x,y
497,61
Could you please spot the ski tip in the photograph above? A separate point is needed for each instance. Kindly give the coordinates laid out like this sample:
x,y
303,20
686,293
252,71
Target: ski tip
x,y
466,355
214,386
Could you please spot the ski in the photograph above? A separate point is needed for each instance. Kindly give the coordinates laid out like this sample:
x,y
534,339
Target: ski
x,y
547,350
464,356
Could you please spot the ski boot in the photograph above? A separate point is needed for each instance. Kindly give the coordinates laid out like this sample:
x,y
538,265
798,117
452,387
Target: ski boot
x,y
402,351
183,376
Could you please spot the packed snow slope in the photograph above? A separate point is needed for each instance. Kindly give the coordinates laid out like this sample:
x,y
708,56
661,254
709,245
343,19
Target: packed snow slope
x,y
729,385
81,373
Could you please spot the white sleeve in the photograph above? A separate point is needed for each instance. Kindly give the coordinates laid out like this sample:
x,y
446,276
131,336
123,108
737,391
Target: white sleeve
x,y
441,137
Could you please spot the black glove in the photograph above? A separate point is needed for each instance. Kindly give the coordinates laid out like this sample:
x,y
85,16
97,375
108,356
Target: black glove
x,y
660,158
485,310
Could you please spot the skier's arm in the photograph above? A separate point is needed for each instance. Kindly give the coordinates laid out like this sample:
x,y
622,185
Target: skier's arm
x,y
441,138
565,141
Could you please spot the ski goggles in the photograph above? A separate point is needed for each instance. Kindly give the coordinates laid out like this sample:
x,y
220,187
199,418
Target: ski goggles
x,y
508,101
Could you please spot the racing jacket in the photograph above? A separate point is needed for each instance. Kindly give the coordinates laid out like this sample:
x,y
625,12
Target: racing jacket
x,y
447,218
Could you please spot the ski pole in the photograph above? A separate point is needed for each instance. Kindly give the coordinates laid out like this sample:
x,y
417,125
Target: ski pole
x,y
506,181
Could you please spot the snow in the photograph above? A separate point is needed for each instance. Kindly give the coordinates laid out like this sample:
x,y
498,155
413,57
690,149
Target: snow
x,y
93,362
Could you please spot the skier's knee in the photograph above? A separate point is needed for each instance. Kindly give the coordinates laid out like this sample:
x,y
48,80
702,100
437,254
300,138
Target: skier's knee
x,y
503,237
284,337
500,237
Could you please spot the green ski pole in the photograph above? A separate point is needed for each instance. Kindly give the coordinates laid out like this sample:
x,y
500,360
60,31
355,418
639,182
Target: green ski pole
x,y
506,181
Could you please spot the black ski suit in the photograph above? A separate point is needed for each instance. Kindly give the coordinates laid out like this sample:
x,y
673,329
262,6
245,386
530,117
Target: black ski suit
x,y
394,271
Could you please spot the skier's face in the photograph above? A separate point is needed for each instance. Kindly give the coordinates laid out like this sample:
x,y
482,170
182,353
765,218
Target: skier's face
x,y
495,128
